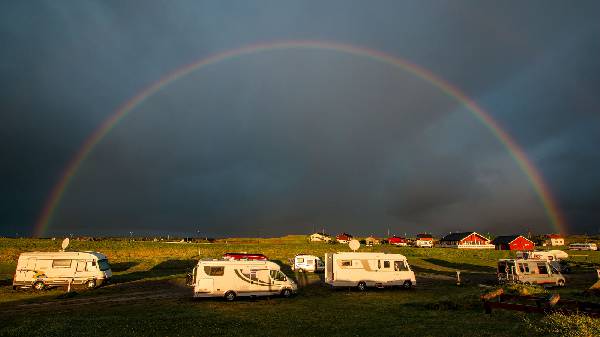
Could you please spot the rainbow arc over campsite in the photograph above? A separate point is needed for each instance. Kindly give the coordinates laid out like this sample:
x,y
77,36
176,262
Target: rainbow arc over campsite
x,y
535,178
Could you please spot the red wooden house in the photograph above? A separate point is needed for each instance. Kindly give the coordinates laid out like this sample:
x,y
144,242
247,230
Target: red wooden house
x,y
513,242
394,240
471,240
343,238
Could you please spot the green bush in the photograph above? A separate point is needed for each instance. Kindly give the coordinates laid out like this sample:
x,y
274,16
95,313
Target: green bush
x,y
560,325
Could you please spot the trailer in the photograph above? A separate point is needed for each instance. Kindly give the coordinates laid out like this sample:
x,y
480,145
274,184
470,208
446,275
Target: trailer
x,y
40,270
233,278
308,263
362,270
529,271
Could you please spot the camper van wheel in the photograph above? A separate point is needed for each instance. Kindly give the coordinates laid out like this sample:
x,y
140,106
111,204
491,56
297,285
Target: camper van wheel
x,y
561,283
230,296
407,284
286,293
91,284
39,285
362,286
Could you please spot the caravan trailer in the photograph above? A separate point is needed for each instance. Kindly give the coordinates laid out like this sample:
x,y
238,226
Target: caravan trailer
x,y
529,271
308,263
40,270
364,270
233,278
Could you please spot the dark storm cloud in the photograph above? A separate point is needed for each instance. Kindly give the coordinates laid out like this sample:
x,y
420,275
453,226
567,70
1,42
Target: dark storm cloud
x,y
280,141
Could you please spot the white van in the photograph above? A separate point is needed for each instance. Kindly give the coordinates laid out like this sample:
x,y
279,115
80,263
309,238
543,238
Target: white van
x,y
583,246
364,270
230,279
39,270
309,263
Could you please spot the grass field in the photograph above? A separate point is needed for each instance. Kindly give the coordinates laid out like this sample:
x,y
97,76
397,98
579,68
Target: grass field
x,y
148,296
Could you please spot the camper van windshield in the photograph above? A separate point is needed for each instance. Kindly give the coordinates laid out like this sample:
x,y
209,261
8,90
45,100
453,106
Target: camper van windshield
x,y
277,275
103,264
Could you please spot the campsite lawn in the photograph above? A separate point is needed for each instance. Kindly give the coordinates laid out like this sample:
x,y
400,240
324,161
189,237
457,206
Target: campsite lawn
x,y
148,296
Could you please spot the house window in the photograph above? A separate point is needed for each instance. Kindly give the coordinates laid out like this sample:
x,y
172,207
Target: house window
x,y
346,263
300,260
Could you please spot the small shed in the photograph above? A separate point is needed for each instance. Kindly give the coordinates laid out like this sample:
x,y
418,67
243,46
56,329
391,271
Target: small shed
x,y
513,242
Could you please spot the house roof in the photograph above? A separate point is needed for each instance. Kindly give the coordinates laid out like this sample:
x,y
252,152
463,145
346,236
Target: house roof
x,y
424,236
506,239
344,235
554,236
459,236
396,238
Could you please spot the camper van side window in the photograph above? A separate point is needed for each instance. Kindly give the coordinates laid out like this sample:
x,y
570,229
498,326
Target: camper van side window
x,y
214,270
542,268
61,263
386,264
300,260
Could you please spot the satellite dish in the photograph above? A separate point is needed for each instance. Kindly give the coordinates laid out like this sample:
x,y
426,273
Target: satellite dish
x,y
354,245
65,243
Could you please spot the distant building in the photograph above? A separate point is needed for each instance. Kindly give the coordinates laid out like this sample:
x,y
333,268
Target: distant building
x,y
318,237
344,238
398,241
554,240
513,242
466,240
370,241
424,240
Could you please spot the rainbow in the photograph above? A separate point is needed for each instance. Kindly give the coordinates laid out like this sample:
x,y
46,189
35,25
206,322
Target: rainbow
x,y
541,188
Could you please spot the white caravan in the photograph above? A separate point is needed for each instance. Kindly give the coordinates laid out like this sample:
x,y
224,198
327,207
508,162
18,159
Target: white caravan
x,y
229,279
309,263
550,255
368,270
49,269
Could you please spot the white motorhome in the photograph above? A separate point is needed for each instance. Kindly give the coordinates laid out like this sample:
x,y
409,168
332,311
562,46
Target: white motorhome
x,y
550,255
529,271
362,270
583,246
230,279
39,270
309,263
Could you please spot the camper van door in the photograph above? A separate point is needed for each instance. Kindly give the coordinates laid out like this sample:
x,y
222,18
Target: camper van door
x,y
27,271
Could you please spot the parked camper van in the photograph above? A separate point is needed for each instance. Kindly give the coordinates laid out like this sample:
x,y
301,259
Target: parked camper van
x,y
583,246
233,278
554,258
40,270
310,263
529,271
364,270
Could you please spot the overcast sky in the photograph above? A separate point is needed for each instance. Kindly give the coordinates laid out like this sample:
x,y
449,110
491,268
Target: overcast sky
x,y
285,141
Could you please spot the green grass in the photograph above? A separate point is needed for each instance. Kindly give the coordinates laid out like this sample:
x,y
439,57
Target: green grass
x,y
436,307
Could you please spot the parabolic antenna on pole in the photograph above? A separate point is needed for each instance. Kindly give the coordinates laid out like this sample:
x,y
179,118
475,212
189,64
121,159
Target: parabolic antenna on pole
x,y
65,243
354,245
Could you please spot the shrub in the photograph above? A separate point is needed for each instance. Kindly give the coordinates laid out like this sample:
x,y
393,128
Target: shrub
x,y
560,325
